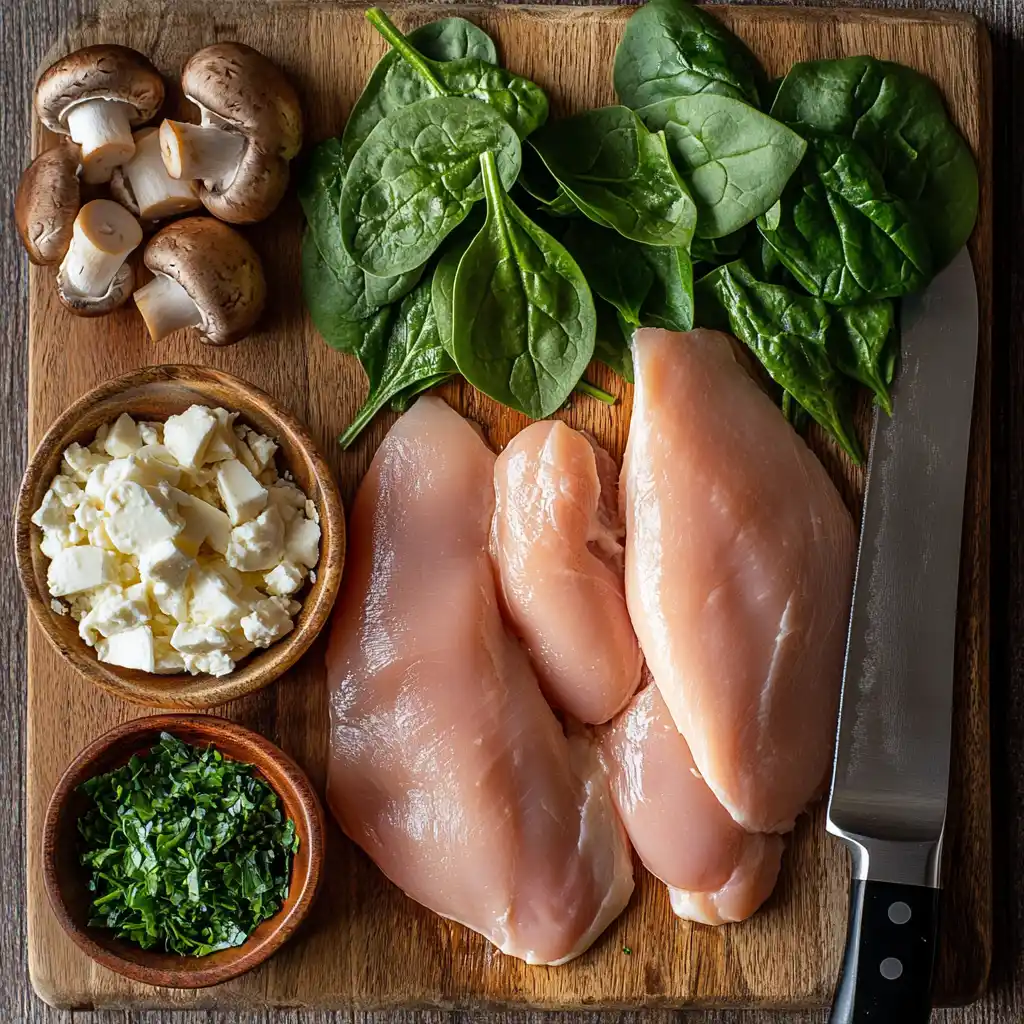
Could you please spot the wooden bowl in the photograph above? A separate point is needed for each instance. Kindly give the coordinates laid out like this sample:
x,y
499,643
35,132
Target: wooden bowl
x,y
65,879
154,393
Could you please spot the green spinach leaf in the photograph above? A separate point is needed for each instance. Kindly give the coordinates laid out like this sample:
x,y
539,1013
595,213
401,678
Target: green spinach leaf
x,y
395,84
717,251
898,116
416,178
540,185
524,322
442,289
788,333
841,234
522,103
734,159
864,344
413,356
671,48
611,346
354,294
620,175
649,286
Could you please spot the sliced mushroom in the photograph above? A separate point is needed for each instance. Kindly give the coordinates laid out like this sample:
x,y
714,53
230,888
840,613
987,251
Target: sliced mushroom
x,y
47,203
144,187
97,95
94,278
207,276
251,127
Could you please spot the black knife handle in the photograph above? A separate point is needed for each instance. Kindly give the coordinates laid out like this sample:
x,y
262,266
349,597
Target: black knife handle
x,y
890,955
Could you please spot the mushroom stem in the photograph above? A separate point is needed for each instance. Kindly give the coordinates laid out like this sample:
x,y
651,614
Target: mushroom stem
x,y
103,129
103,236
156,193
206,152
166,307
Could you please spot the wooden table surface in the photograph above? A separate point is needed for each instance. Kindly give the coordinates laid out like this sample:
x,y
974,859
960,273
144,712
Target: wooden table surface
x,y
28,28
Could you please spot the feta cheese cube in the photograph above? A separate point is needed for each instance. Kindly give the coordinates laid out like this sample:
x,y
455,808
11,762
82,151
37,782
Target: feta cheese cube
x,y
312,512
188,434
130,649
81,461
69,493
213,602
285,579
123,437
167,661
108,475
223,445
52,513
88,516
151,433
164,562
117,611
287,499
138,517
243,496
216,663
302,542
80,568
172,601
203,522
257,545
154,464
53,543
268,621
262,448
190,639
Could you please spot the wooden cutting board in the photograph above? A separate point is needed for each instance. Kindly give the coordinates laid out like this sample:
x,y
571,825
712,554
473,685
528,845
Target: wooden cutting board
x,y
366,945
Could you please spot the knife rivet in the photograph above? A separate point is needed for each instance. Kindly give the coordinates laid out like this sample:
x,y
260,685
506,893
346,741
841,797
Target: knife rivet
x,y
899,913
890,968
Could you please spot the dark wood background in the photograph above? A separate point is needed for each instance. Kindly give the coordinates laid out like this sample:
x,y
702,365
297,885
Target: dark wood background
x,y
28,28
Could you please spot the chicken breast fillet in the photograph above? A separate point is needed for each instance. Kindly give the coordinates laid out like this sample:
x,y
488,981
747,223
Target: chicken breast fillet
x,y
557,546
739,562
715,870
447,765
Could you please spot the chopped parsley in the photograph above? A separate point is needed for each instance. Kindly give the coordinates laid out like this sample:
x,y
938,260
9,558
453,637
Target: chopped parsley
x,y
187,851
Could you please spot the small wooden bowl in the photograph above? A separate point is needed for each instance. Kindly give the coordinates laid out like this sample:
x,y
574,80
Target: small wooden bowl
x,y
65,879
154,393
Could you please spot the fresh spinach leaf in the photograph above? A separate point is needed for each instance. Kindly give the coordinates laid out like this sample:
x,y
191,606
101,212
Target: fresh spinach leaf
x,y
611,346
734,159
540,185
620,175
416,178
649,286
864,344
671,48
524,322
841,234
720,250
413,355
402,401
353,293
395,84
188,852
898,116
522,103
788,333
442,289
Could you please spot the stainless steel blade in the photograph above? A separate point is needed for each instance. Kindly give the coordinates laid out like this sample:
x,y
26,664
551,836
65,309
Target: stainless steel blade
x,y
891,773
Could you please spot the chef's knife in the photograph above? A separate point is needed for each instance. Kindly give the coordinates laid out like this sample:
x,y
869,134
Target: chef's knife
x,y
891,774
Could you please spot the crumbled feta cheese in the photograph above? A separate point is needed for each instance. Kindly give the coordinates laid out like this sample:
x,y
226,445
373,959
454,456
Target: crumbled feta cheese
x,y
188,434
154,464
139,516
69,493
130,649
259,544
199,639
164,562
88,516
243,496
108,475
287,499
171,601
52,513
262,448
167,661
81,461
312,576
312,512
285,579
302,542
118,611
217,663
268,621
123,438
54,542
203,523
78,568
213,602
151,433
57,607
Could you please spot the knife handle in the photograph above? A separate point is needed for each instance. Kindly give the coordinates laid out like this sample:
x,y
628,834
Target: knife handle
x,y
887,969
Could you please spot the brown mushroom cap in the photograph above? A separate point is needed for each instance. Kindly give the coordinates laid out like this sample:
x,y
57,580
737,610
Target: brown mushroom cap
x,y
47,203
242,90
105,71
219,269
119,292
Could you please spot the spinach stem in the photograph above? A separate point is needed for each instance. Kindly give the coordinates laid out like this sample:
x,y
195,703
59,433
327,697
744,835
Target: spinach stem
x,y
586,388
386,27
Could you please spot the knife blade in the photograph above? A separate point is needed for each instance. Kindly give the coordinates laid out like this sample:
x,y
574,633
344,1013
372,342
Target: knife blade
x,y
891,772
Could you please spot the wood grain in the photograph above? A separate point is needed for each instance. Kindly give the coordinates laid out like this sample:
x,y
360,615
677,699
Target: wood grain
x,y
65,882
788,955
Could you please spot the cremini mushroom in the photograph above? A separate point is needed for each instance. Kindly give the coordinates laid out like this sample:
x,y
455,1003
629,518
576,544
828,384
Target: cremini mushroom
x,y
251,127
97,95
206,276
94,278
47,203
144,187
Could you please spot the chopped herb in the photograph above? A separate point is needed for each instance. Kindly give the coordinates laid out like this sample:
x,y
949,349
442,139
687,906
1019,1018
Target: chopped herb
x,y
188,851
628,950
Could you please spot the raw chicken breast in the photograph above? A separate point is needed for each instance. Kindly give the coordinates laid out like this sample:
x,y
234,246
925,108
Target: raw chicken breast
x,y
557,545
716,872
447,765
739,562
